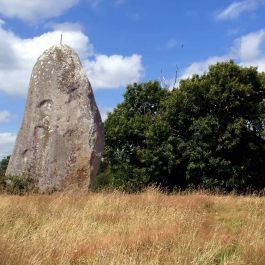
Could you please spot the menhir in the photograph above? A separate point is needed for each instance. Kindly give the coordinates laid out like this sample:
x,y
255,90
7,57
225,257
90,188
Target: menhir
x,y
60,142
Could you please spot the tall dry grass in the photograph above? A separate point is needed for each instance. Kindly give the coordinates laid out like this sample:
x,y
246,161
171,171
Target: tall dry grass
x,y
148,228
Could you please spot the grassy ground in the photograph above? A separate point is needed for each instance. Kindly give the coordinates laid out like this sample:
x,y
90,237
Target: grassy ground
x,y
147,228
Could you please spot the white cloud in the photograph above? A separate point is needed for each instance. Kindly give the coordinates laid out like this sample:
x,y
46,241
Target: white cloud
x,y
248,47
5,116
246,50
235,9
17,58
201,66
249,50
7,142
259,63
35,10
67,26
114,71
104,112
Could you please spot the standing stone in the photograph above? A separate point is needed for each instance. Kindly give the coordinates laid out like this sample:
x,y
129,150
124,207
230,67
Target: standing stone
x,y
60,142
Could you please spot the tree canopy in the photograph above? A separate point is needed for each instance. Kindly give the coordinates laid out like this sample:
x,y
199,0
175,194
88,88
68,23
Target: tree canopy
x,y
209,132
3,167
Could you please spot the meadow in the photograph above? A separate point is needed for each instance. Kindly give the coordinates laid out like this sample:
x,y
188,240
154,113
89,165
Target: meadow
x,y
145,228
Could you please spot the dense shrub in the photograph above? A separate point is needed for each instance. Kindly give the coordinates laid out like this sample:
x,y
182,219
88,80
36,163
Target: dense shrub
x,y
16,185
20,185
209,132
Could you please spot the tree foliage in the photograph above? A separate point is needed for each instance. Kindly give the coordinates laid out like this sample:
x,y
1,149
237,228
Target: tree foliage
x,y
209,132
126,134
3,167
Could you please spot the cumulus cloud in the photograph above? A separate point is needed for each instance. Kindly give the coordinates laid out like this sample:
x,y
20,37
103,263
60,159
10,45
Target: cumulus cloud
x,y
5,116
7,142
246,50
201,66
35,10
18,55
249,50
235,9
114,71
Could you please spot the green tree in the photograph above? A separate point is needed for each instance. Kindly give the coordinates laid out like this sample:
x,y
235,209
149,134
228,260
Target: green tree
x,y
209,132
3,167
217,120
126,136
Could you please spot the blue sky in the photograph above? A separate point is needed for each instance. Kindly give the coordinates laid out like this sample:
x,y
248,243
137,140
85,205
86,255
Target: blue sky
x,y
123,41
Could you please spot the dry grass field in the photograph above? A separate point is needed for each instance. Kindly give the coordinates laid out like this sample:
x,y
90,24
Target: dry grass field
x,y
147,228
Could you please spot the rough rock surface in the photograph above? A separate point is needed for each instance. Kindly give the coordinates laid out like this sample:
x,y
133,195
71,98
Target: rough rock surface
x,y
60,142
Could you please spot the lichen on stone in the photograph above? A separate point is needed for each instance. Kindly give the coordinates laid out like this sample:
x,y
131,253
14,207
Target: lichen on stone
x,y
61,124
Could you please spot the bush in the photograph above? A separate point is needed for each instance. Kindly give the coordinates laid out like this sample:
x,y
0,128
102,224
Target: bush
x,y
20,185
103,181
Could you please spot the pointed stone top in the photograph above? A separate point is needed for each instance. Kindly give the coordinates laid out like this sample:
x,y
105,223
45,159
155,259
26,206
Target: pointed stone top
x,y
61,47
60,53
